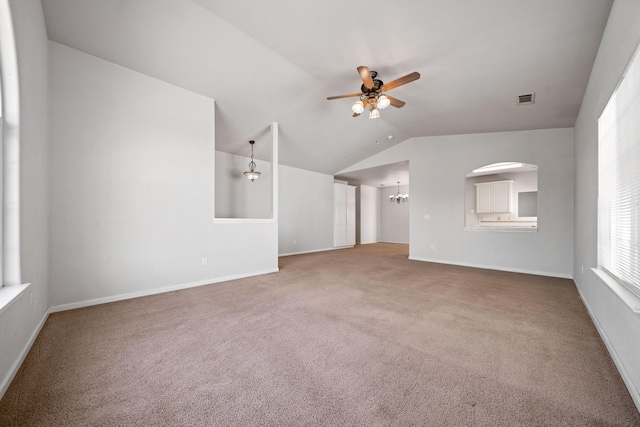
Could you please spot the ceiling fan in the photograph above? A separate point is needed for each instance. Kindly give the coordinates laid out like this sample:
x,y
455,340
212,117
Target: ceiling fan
x,y
372,93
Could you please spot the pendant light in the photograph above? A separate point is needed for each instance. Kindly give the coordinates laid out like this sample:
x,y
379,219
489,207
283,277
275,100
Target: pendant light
x,y
252,173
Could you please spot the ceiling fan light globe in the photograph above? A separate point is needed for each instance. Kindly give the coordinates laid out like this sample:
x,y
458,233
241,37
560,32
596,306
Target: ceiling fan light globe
x,y
383,102
374,114
358,107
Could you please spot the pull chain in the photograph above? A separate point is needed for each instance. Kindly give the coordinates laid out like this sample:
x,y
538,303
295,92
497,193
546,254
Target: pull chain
x,y
376,131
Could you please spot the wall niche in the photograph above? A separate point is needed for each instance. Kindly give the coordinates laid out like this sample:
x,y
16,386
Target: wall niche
x,y
502,197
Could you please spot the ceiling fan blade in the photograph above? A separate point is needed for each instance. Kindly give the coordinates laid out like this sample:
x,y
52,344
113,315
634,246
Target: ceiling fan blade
x,y
401,81
365,75
355,114
344,96
395,101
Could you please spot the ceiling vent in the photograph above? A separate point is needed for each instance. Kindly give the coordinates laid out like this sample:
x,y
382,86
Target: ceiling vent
x,y
526,99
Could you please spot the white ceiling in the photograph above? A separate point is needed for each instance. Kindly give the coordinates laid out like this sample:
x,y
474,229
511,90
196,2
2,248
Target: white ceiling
x,y
278,60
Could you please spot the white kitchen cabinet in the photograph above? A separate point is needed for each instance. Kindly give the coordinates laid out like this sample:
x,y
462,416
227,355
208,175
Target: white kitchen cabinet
x,y
344,218
494,197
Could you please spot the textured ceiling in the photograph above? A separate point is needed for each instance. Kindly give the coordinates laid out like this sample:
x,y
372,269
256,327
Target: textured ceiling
x,y
278,60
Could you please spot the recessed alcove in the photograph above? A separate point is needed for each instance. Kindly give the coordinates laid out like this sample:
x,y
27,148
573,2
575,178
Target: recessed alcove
x,y
502,197
238,198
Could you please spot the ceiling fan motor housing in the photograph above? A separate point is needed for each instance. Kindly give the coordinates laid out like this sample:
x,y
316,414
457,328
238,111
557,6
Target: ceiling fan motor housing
x,y
377,86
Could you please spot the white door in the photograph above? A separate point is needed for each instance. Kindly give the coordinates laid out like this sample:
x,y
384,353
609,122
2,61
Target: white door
x,y
351,215
339,215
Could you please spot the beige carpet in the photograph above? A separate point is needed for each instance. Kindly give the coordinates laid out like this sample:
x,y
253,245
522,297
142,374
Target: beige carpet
x,y
355,337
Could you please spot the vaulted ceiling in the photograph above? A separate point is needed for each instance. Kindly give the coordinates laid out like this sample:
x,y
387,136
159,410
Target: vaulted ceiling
x,y
278,60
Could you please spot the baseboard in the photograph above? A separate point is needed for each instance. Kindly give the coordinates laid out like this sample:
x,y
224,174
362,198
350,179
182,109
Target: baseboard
x,y
88,303
6,382
626,378
309,252
494,267
390,241
333,249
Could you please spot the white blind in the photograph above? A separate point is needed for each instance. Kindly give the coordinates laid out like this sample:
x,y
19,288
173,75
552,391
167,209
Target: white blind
x,y
619,181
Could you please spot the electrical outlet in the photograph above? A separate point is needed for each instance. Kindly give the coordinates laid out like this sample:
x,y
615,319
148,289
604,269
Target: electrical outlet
x,y
582,269
204,261
427,216
432,246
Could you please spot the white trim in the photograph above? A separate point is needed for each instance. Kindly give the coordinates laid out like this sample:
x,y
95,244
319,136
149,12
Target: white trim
x,y
6,381
97,301
626,378
625,295
309,252
9,294
389,241
496,267
244,221
275,167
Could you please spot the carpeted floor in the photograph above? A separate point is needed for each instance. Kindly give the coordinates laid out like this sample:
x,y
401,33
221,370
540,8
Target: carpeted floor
x,y
355,337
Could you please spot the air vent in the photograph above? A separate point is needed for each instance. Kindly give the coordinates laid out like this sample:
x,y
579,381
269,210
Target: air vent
x,y
526,99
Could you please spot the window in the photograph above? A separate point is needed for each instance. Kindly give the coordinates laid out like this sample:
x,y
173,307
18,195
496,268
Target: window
x,y
10,153
1,180
619,181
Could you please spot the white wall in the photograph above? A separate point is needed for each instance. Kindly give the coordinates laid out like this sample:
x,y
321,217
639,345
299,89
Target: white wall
x,y
437,175
394,217
132,188
368,215
21,321
238,197
305,211
618,325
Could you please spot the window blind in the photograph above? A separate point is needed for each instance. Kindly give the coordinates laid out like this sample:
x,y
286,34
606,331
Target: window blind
x,y
619,181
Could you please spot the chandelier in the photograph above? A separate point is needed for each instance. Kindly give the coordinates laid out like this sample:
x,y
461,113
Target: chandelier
x,y
398,197
252,173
